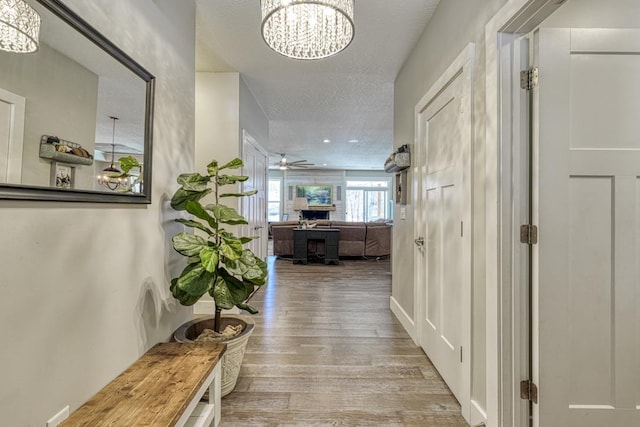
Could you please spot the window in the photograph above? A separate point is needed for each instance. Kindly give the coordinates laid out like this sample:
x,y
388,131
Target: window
x,y
274,200
367,200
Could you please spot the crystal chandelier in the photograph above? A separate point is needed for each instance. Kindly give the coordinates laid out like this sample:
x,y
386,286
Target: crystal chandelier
x,y
111,176
307,29
19,27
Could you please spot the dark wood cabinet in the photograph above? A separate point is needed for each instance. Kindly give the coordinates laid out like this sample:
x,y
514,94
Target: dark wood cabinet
x,y
301,237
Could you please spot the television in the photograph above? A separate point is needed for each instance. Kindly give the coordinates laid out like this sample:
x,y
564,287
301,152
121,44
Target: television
x,y
316,195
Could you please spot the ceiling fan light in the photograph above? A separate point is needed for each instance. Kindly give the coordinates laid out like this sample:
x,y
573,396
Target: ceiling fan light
x,y
19,27
307,29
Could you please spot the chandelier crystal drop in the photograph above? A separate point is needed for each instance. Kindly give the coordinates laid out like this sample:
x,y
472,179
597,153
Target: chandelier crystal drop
x,y
19,27
307,29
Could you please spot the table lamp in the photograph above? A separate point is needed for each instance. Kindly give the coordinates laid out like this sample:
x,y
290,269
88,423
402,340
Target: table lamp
x,y
300,204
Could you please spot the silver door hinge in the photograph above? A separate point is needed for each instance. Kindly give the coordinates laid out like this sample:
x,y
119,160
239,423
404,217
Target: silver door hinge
x,y
528,234
529,391
460,354
529,78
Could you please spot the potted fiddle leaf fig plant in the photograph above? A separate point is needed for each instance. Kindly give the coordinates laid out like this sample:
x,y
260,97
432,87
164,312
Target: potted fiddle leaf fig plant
x,y
218,264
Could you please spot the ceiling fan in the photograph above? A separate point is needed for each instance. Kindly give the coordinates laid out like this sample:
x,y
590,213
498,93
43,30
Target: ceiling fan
x,y
285,164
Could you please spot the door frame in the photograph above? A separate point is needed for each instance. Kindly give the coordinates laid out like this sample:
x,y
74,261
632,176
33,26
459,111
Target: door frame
x,y
507,351
12,172
463,65
247,138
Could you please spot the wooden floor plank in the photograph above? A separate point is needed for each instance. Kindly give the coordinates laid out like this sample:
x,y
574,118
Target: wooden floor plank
x,y
328,351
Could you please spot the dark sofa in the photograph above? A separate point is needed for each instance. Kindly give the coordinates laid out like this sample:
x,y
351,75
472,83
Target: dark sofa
x,y
356,239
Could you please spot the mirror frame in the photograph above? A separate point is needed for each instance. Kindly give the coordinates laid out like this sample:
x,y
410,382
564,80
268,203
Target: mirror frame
x,y
29,192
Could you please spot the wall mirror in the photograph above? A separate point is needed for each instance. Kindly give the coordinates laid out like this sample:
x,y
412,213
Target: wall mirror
x,y
71,110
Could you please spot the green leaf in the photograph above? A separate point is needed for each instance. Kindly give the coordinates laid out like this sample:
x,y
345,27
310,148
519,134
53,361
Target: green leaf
x,y
195,280
229,252
246,193
231,179
249,267
245,240
188,244
233,241
195,224
238,289
193,182
127,163
228,215
182,296
195,208
181,197
256,273
251,309
212,168
222,295
209,259
233,164
231,247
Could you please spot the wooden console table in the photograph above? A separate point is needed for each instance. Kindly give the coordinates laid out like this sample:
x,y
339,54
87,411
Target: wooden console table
x,y
162,388
301,237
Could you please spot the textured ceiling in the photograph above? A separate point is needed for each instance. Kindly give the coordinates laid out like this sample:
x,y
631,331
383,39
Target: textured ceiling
x,y
345,98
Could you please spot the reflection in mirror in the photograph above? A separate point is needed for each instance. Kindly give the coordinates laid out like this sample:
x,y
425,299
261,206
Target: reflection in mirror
x,y
75,116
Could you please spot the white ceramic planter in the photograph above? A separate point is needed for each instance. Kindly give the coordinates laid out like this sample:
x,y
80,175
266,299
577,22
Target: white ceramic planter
x,y
232,358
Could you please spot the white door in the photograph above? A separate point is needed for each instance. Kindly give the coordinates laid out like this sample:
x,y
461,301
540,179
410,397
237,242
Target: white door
x,y
254,208
12,109
444,279
587,185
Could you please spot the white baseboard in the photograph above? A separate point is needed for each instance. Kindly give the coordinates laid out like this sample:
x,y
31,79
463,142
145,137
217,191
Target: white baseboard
x,y
407,322
478,414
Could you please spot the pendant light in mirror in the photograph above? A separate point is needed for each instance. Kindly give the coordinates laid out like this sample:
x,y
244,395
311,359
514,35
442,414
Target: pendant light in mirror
x,y
111,176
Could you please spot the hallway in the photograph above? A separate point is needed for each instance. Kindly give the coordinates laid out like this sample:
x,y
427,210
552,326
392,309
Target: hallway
x,y
328,351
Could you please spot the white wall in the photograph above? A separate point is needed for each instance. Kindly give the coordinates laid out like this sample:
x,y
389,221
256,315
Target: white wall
x,y
252,117
85,286
61,100
596,14
224,106
217,118
454,24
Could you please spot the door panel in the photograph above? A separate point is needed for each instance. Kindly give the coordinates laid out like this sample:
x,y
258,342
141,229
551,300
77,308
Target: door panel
x,y
12,110
586,273
451,270
444,264
254,207
443,188
5,138
591,287
434,256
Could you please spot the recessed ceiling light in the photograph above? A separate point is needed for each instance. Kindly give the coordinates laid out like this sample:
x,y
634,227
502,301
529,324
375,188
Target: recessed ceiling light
x,y
353,141
326,141
324,164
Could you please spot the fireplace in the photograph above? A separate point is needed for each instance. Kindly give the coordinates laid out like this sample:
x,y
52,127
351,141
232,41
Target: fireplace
x,y
314,214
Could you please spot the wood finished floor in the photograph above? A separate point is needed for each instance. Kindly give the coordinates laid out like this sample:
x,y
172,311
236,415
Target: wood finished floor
x,y
327,351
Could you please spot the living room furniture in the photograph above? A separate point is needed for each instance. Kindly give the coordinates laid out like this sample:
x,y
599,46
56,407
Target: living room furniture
x,y
302,236
299,205
162,388
314,214
356,239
